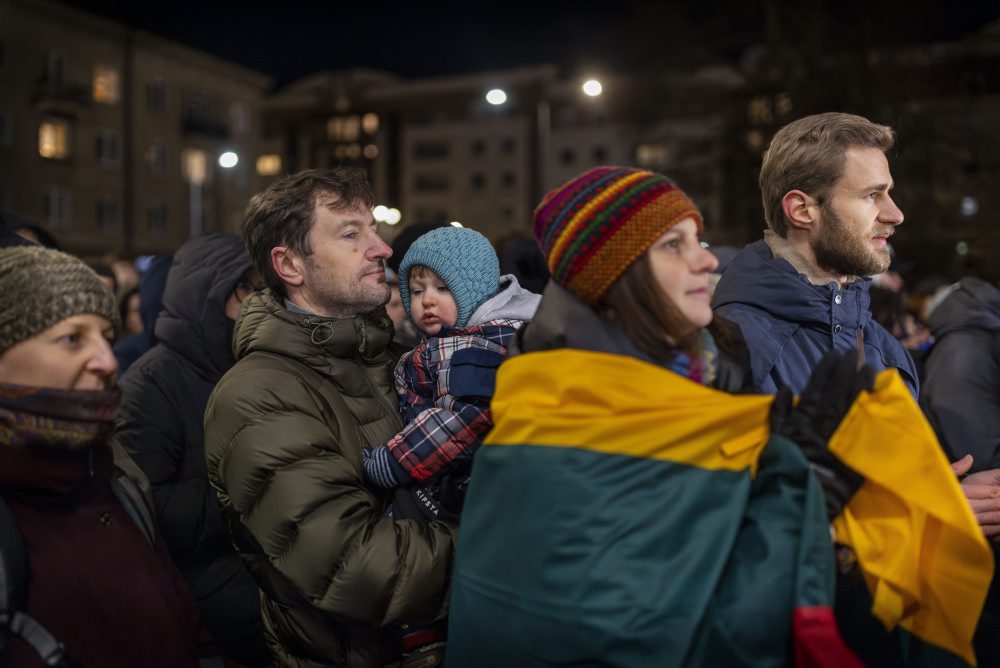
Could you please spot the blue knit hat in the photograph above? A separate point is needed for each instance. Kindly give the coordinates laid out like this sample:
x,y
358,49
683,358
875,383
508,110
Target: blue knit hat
x,y
463,259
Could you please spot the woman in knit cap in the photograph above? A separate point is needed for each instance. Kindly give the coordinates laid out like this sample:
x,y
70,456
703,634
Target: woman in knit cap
x,y
102,587
626,512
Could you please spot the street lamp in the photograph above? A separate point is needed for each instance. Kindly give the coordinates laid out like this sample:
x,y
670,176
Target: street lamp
x,y
228,160
496,97
592,87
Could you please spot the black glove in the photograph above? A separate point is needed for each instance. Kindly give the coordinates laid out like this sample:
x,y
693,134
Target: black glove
x,y
832,388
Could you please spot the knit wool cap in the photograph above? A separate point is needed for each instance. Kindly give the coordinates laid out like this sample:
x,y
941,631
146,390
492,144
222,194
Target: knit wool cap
x,y
463,259
39,287
593,227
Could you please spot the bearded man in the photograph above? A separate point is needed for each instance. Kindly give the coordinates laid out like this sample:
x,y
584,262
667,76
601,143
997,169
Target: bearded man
x,y
803,290
285,428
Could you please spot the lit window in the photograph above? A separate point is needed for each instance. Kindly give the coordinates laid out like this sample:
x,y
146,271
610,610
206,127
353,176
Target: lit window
x,y
108,148
53,139
194,165
269,165
652,155
106,84
371,151
343,128
369,123
353,151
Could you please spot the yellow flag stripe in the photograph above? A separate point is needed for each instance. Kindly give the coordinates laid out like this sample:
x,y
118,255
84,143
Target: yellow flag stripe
x,y
619,405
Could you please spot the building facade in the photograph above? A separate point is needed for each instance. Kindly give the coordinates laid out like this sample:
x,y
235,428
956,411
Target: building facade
x,y
110,136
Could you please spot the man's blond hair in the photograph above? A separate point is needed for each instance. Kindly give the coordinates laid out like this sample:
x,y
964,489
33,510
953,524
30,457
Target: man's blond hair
x,y
809,155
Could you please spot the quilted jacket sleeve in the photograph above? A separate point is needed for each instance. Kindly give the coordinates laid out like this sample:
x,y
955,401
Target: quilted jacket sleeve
x,y
289,462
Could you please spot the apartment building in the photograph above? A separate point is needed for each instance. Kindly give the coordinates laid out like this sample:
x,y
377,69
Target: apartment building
x,y
111,137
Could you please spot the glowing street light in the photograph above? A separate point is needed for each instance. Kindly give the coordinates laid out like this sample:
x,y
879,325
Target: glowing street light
x,y
393,216
228,160
496,97
592,87
455,223
379,212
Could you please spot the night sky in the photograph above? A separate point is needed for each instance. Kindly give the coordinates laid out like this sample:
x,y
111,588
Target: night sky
x,y
290,39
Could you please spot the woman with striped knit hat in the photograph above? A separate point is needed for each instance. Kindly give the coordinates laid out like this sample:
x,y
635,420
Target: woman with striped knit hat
x,y
630,508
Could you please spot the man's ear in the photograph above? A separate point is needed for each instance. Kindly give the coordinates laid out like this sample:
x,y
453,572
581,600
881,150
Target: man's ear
x,y
799,210
287,265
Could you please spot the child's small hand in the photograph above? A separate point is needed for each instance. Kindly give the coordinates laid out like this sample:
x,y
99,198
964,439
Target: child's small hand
x,y
378,468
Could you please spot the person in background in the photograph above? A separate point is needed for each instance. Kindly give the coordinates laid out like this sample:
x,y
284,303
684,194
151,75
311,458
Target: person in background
x,y
961,398
101,579
130,347
164,394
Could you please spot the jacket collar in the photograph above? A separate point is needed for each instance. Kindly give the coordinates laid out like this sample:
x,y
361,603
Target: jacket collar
x,y
266,325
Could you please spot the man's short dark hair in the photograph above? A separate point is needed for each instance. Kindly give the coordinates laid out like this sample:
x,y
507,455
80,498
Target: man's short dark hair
x,y
283,213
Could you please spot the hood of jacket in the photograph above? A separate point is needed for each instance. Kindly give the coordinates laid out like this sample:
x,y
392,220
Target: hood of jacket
x,y
265,325
193,321
975,304
512,302
756,278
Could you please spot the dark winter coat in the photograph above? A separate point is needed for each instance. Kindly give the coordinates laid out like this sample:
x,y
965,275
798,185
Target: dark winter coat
x,y
151,286
161,426
961,399
95,581
789,324
284,430
961,393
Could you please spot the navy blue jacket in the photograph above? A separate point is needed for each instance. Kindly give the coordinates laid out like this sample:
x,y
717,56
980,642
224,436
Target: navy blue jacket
x,y
789,324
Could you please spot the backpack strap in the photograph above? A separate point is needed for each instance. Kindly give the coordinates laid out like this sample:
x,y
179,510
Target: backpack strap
x,y
14,594
134,503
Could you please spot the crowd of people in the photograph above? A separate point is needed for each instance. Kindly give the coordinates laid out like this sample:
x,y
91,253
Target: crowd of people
x,y
606,445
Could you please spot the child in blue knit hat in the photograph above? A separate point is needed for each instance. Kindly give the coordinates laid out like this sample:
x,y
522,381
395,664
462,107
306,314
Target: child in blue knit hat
x,y
451,288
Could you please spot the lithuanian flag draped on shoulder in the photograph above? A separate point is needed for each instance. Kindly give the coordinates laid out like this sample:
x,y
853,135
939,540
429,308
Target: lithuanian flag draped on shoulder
x,y
622,515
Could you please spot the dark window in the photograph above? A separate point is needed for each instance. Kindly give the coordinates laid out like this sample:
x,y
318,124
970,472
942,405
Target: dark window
x,y
109,217
478,181
156,95
478,148
57,206
431,150
108,149
431,183
156,218
507,145
567,156
600,154
508,180
156,156
507,213
196,107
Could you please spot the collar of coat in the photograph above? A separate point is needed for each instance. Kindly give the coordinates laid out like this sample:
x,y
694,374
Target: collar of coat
x,y
266,325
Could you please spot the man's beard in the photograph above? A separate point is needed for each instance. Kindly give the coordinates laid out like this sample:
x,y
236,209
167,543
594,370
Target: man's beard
x,y
345,301
840,250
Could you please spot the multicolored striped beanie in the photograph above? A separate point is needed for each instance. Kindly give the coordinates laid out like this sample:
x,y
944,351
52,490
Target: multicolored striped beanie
x,y
593,227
